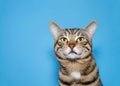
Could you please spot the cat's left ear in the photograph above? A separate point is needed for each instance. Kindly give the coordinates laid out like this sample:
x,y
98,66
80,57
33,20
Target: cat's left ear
x,y
55,30
91,28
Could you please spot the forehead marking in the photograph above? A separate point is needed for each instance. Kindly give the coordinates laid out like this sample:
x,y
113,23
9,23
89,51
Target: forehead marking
x,y
72,31
68,31
76,30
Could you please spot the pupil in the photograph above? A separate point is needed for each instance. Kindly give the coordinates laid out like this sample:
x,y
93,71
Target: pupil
x,y
64,39
80,38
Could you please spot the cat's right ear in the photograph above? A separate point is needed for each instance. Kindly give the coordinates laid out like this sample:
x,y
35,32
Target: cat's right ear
x,y
55,29
91,28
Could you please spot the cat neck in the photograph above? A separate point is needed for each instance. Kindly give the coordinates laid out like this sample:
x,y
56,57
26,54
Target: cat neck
x,y
77,65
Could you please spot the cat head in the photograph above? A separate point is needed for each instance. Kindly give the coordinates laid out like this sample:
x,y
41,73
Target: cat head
x,y
73,43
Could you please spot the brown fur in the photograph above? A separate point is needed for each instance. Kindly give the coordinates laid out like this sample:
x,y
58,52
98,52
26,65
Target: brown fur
x,y
81,60
87,68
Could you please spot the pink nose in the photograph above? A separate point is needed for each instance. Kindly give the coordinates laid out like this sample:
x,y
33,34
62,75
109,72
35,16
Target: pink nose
x,y
71,45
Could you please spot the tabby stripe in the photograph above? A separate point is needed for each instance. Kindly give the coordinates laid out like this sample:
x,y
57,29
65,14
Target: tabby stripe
x,y
89,82
93,68
59,57
90,54
72,30
89,68
67,30
76,31
89,43
86,48
78,34
57,43
59,47
88,72
63,70
65,82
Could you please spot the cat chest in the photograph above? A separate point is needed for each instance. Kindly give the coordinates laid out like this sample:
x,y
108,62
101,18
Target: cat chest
x,y
75,75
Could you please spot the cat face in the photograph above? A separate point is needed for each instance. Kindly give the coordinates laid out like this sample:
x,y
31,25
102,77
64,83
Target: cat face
x,y
73,43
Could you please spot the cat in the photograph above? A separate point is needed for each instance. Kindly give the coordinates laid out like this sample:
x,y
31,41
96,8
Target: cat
x,y
73,49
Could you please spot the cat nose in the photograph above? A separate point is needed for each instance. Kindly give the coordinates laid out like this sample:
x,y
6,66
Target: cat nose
x,y
72,45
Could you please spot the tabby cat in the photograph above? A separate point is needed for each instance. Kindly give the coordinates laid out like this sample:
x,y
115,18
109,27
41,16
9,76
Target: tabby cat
x,y
73,48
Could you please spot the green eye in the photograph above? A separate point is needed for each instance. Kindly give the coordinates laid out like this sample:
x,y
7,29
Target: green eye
x,y
80,39
64,39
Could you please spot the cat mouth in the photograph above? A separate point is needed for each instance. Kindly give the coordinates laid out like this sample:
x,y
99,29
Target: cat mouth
x,y
72,52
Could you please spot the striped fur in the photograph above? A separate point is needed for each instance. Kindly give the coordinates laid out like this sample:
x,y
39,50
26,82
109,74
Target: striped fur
x,y
77,66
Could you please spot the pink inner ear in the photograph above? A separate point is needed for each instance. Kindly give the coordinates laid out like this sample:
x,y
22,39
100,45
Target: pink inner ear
x,y
91,31
91,28
55,29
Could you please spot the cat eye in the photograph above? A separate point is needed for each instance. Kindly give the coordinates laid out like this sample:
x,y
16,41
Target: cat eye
x,y
64,39
80,39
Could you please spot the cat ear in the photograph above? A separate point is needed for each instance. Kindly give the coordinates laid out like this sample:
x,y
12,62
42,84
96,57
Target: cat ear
x,y
55,29
90,28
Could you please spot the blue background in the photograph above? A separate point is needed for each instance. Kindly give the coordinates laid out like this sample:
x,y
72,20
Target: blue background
x,y
26,44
